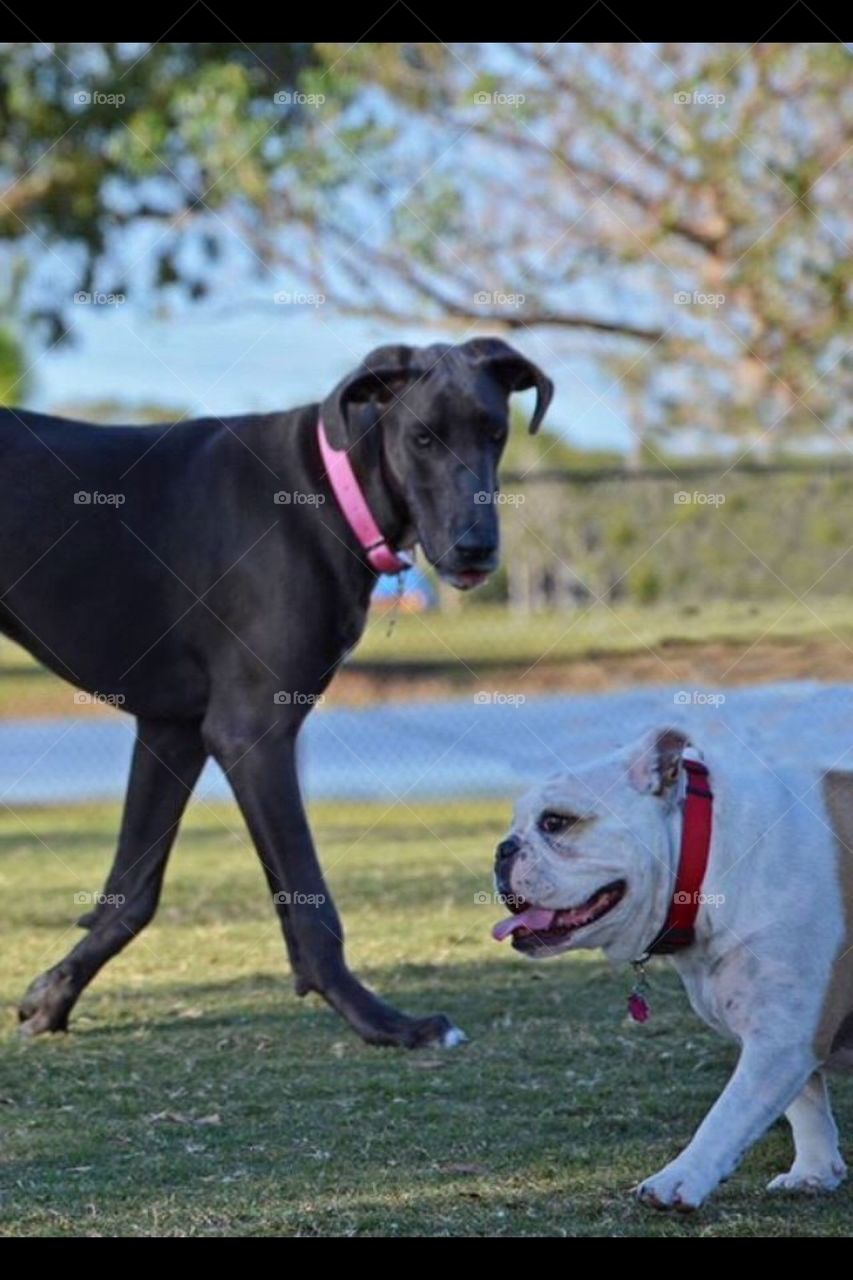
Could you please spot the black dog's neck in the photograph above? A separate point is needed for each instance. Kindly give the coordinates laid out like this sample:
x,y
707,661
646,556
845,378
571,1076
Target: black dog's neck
x,y
386,503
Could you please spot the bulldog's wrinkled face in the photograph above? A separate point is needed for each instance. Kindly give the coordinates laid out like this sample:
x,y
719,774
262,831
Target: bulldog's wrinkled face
x,y
588,861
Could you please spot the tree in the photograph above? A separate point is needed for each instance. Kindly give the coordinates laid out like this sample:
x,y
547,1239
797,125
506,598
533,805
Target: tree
x,y
683,212
133,167
680,215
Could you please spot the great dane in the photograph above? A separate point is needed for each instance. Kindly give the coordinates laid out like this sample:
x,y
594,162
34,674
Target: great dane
x,y
206,577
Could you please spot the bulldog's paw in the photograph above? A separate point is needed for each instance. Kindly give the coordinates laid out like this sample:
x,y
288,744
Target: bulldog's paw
x,y
809,1182
676,1187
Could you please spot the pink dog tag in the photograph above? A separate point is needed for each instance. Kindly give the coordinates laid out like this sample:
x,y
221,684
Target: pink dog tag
x,y
638,1007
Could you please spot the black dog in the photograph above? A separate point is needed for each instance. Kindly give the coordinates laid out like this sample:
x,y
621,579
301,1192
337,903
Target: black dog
x,y
165,567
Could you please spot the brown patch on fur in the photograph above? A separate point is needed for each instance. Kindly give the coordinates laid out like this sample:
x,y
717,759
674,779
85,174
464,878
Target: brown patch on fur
x,y
834,1038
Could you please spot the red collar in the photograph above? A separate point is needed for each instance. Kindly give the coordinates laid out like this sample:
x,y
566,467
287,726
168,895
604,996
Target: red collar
x,y
678,930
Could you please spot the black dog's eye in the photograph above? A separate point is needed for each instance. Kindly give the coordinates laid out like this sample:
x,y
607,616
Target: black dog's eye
x,y
423,439
555,824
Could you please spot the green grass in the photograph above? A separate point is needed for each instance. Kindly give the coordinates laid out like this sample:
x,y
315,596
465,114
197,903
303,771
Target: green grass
x,y
484,636
491,634
197,1096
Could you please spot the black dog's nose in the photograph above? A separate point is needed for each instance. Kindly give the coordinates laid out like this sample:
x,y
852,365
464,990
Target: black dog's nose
x,y
476,553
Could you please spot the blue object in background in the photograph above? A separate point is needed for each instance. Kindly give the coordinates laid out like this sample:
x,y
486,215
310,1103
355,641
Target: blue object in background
x,y
419,592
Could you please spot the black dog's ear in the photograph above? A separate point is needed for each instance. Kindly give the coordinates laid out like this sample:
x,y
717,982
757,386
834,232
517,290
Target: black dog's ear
x,y
379,379
514,371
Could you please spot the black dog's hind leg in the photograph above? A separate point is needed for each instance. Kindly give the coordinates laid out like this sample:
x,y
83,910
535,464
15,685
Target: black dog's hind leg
x,y
260,764
167,759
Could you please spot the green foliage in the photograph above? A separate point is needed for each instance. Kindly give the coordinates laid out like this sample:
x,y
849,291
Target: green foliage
x,y
96,135
742,535
645,585
14,379
715,264
118,412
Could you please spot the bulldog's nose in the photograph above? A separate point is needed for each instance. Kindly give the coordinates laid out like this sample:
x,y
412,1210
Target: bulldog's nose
x,y
504,854
507,849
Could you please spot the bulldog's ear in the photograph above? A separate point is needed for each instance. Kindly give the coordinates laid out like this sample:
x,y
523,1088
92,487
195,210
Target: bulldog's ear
x,y
514,371
378,380
655,766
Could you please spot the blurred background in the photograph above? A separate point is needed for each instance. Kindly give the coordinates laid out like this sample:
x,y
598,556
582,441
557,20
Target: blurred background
x,y
215,228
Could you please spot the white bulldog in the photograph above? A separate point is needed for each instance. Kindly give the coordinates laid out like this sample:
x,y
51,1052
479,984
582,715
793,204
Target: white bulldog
x,y
592,861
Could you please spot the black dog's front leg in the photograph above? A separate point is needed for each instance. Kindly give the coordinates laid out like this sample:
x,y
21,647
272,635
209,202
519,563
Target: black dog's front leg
x,y
260,764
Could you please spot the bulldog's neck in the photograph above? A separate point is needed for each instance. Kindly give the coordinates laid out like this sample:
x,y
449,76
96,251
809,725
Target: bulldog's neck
x,y
638,934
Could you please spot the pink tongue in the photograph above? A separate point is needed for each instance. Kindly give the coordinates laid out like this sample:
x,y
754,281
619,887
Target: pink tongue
x,y
536,919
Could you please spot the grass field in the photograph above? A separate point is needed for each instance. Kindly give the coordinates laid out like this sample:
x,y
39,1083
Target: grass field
x,y
492,635
477,639
197,1096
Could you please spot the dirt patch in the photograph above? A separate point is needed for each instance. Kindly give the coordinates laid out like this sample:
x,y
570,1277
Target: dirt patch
x,y
694,666
360,684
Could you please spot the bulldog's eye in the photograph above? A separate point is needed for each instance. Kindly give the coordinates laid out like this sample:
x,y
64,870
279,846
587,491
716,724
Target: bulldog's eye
x,y
555,824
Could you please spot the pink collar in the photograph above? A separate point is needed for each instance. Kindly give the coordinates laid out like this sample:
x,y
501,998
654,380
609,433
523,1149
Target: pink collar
x,y
357,513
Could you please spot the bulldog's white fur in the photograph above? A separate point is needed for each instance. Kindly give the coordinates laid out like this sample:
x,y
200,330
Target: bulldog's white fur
x,y
771,963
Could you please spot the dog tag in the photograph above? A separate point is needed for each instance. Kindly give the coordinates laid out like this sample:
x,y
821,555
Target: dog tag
x,y
638,1005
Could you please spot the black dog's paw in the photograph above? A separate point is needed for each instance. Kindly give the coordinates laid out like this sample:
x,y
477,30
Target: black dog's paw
x,y
437,1030
47,1003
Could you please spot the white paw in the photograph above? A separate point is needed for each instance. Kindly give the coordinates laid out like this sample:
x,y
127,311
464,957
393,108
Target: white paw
x,y
809,1182
453,1037
675,1187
